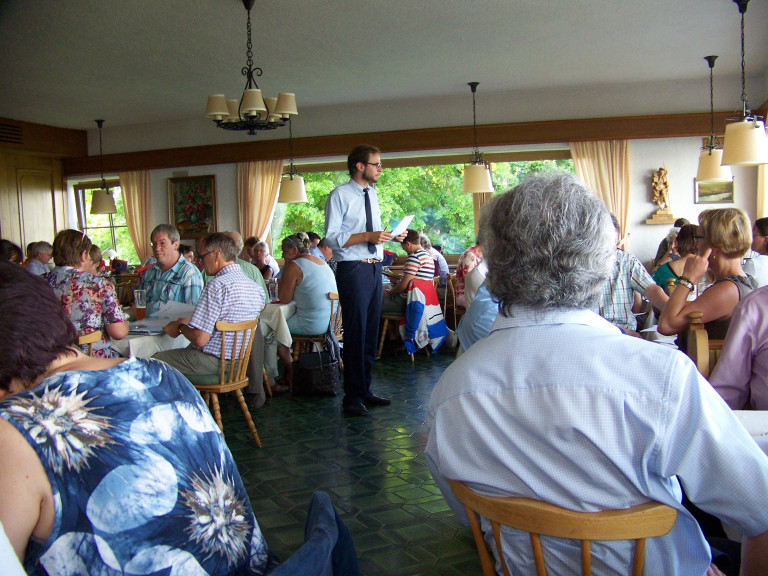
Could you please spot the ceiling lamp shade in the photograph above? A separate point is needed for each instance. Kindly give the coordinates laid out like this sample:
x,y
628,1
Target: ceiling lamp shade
x,y
745,143
477,179
102,201
292,190
253,112
710,168
477,176
745,139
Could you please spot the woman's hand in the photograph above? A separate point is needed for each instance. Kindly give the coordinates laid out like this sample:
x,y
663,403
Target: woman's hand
x,y
697,266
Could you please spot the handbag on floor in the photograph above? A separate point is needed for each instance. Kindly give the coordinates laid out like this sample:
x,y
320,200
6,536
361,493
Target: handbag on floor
x,y
316,374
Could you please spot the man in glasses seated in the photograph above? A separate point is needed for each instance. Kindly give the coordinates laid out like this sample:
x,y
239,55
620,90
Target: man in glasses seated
x,y
172,278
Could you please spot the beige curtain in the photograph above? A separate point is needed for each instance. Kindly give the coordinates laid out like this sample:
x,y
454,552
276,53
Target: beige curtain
x,y
762,190
137,190
604,167
257,187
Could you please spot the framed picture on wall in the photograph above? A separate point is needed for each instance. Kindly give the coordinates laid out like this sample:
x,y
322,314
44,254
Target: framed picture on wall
x,y
713,192
192,202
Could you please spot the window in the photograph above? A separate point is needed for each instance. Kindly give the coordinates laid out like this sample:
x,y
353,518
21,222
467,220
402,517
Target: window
x,y
432,193
105,230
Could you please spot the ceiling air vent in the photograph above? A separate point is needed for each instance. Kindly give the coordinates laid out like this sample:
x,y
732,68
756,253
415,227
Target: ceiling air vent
x,y
10,134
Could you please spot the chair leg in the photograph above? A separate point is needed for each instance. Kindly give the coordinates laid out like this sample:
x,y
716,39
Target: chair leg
x,y
248,417
381,340
217,411
267,387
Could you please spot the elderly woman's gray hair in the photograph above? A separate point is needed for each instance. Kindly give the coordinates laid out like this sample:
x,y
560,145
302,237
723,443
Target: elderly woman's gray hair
x,y
424,241
549,243
262,244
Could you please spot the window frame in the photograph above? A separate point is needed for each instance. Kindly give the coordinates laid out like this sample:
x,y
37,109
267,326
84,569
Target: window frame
x,y
80,204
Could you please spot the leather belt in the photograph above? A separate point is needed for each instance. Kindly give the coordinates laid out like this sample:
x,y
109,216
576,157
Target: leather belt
x,y
368,261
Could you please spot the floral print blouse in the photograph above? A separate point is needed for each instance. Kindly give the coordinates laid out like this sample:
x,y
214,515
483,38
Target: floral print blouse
x,y
90,302
467,261
143,482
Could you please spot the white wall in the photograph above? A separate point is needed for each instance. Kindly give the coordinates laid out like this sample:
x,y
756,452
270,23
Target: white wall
x,y
226,193
680,157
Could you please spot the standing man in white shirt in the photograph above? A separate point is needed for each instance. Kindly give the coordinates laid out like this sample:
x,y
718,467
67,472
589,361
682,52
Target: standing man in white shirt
x,y
353,231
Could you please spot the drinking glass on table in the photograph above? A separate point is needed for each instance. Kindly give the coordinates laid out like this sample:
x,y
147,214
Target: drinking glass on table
x,y
140,298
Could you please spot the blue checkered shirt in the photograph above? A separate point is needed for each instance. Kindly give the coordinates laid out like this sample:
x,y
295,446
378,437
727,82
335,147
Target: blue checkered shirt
x,y
617,294
182,283
231,296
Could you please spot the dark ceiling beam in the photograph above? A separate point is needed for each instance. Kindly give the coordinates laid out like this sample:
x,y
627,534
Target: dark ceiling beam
x,y
427,139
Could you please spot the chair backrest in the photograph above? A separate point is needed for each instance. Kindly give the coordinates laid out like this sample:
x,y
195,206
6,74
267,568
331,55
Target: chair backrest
x,y
335,323
703,350
240,349
89,339
647,520
671,285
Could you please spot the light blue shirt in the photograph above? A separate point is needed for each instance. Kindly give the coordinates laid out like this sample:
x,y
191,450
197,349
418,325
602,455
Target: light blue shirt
x,y
560,406
36,267
345,215
477,321
180,283
315,251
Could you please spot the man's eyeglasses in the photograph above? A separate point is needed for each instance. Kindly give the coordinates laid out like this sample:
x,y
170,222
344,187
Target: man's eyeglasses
x,y
377,164
201,256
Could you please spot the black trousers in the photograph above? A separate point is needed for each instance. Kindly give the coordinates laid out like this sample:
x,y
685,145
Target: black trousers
x,y
360,290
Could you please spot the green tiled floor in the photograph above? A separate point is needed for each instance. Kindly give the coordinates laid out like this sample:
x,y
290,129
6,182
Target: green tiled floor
x,y
373,468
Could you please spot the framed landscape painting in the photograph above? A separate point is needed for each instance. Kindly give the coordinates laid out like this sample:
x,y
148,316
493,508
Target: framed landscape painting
x,y
713,192
192,202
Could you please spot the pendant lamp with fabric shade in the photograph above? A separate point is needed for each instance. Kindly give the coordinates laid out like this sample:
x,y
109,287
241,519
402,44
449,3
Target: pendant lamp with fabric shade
x,y
292,190
102,201
710,168
477,176
745,143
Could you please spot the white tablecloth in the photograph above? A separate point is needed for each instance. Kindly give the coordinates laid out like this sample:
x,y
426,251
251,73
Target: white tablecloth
x,y
141,346
274,320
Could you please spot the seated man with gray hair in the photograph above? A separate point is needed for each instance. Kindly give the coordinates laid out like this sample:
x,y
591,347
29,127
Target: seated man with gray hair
x,y
556,405
230,296
171,278
41,253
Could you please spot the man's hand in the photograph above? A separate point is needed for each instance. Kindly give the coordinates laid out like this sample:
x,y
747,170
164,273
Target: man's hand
x,y
173,328
379,237
402,236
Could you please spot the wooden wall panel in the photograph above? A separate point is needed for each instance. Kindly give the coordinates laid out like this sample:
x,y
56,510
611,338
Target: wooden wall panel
x,y
32,198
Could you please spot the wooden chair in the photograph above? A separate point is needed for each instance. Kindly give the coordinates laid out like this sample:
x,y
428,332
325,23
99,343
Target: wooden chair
x,y
671,285
450,309
704,352
647,520
89,339
231,376
306,343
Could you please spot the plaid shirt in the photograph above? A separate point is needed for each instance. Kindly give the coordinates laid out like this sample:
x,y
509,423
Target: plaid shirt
x,y
231,296
182,283
617,294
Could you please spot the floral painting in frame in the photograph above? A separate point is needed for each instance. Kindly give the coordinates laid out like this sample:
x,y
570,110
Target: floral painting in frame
x,y
192,202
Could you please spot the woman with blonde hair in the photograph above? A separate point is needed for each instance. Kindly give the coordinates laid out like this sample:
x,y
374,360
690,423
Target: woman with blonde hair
x,y
723,237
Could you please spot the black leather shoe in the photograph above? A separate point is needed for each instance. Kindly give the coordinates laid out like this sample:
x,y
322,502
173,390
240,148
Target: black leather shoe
x,y
355,409
374,400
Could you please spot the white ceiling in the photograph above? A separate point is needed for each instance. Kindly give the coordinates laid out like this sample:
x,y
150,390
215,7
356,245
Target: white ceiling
x,y
372,65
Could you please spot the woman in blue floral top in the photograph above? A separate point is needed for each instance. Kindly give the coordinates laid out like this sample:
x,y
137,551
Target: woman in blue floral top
x,y
90,301
118,467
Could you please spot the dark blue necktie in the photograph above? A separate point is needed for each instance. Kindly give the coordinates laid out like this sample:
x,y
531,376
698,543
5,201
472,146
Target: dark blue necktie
x,y
368,219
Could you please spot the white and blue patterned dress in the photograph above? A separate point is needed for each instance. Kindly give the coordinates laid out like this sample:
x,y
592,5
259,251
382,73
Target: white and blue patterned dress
x,y
143,482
